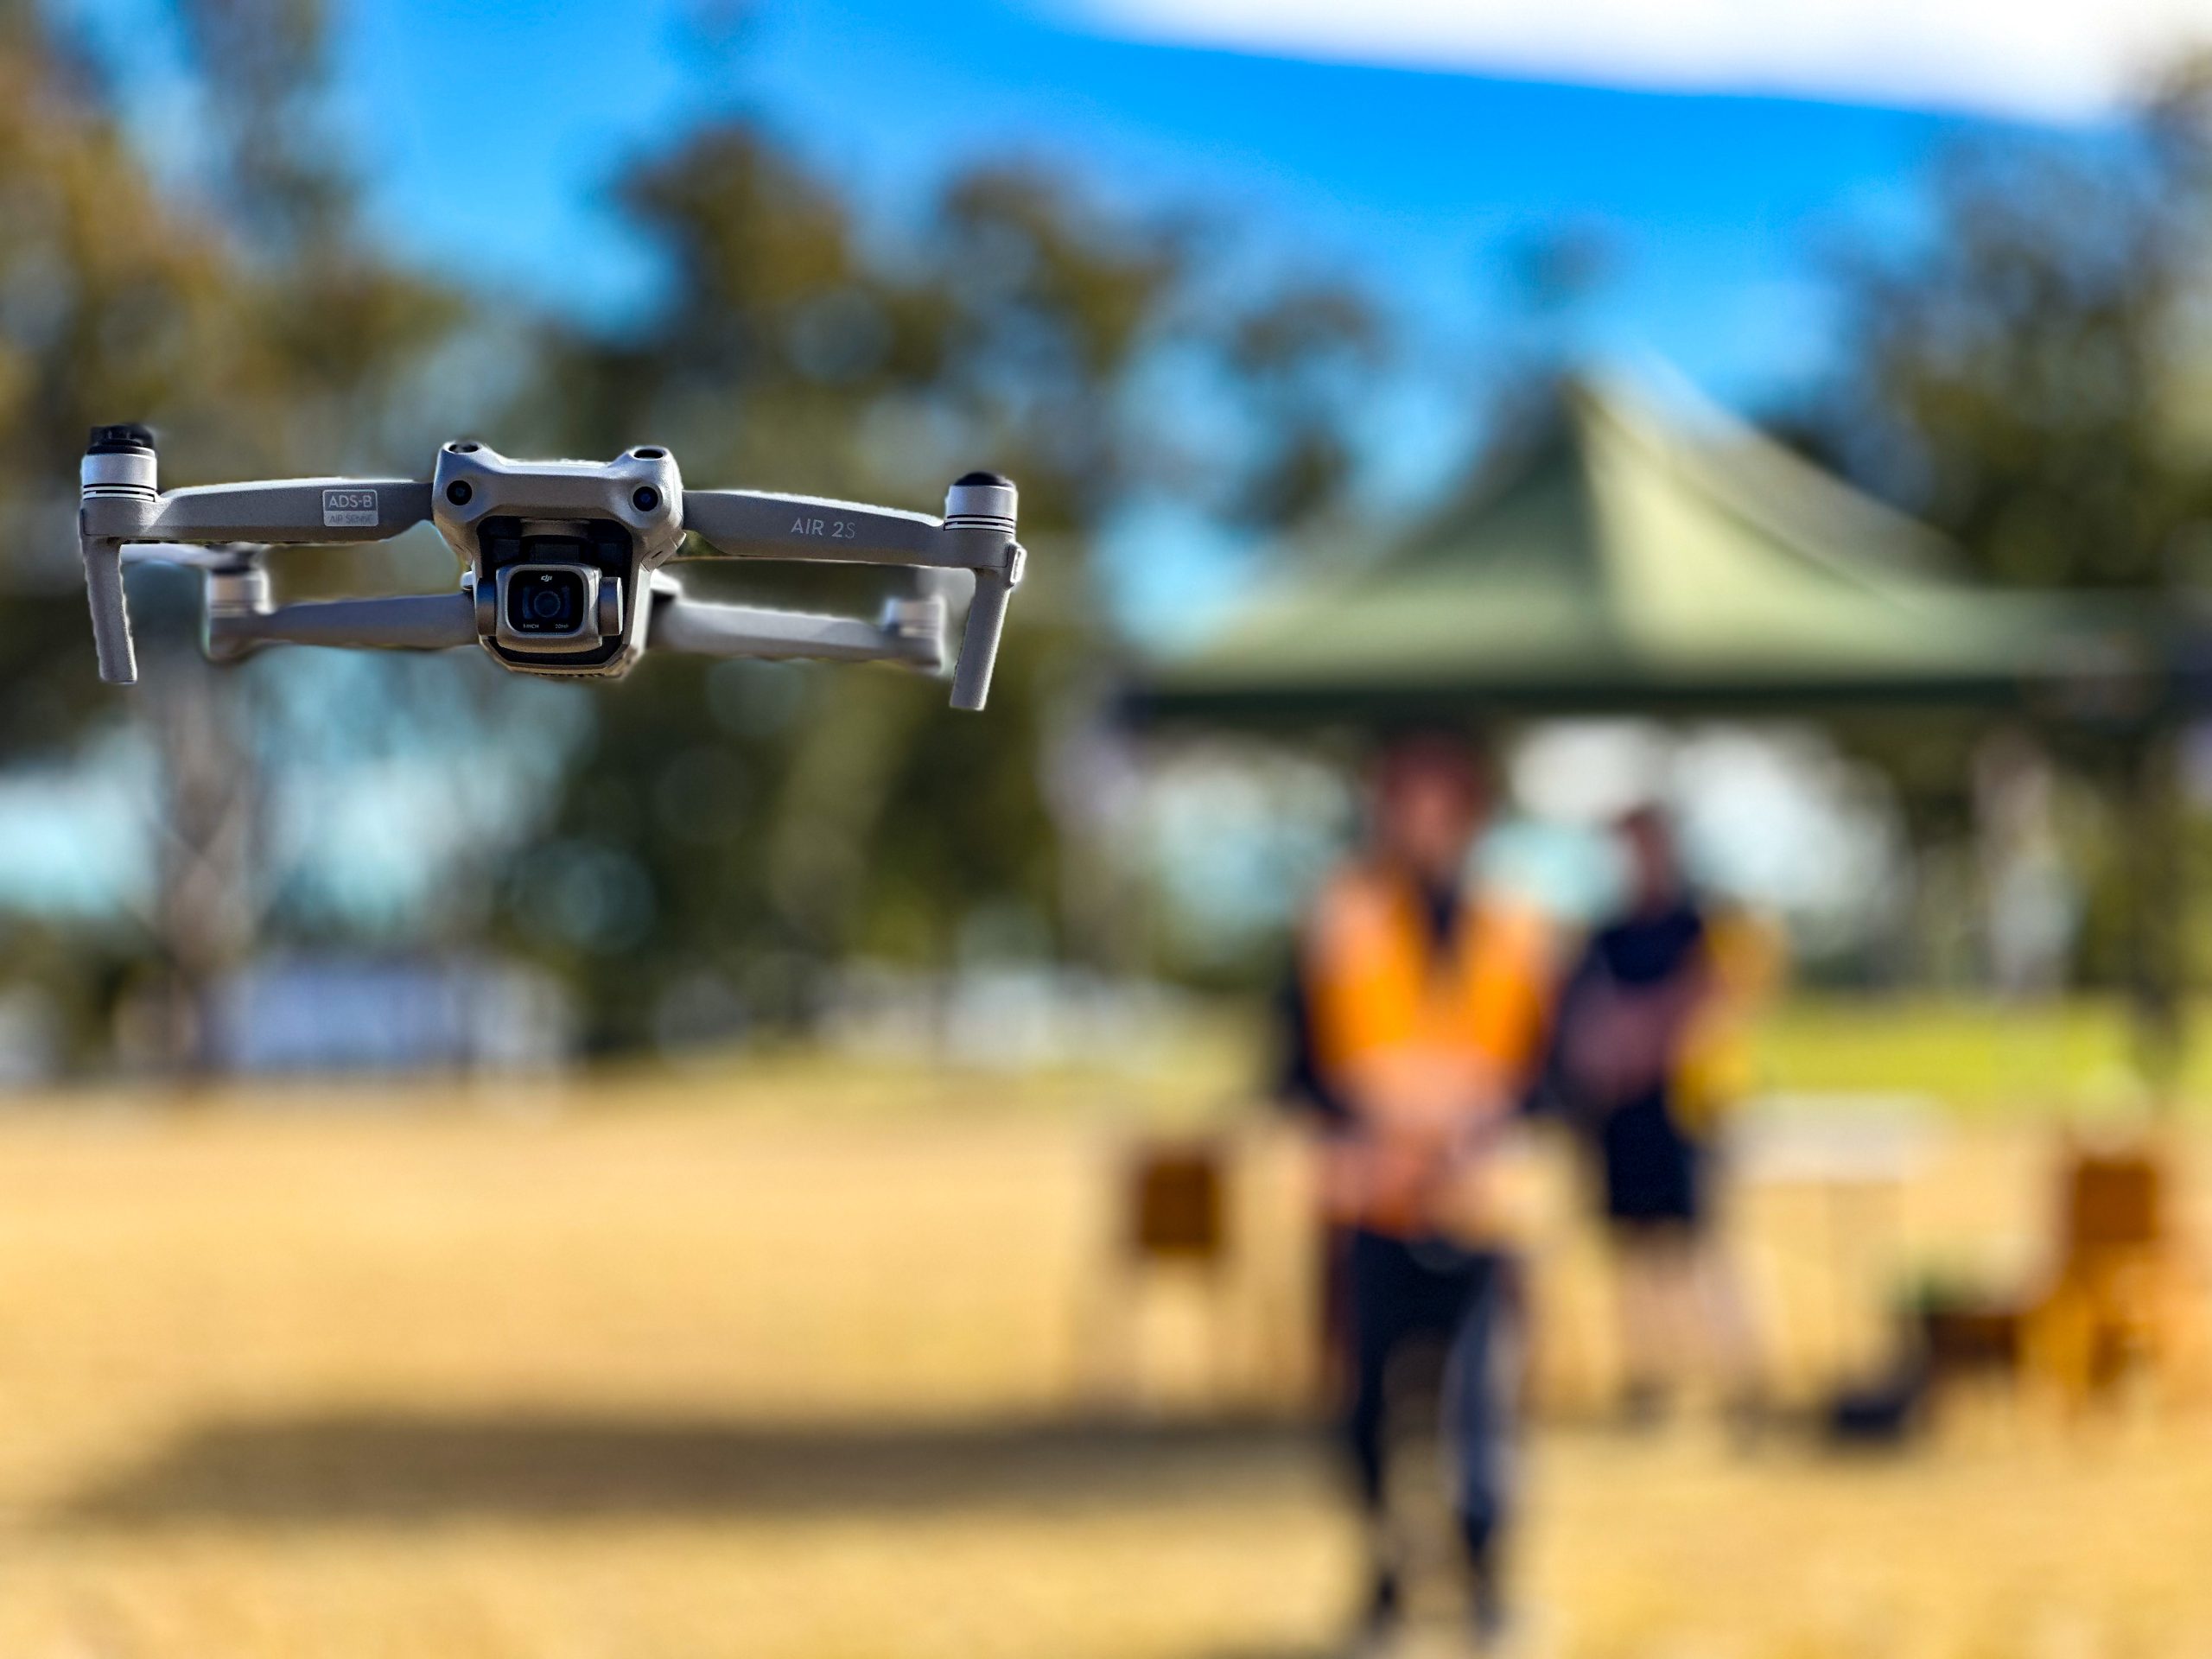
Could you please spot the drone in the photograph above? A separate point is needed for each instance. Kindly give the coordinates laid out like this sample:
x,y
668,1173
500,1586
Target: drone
x,y
562,563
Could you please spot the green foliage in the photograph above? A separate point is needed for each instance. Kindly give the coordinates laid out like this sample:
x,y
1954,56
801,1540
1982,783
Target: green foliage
x,y
2022,375
117,303
733,827
2027,373
748,827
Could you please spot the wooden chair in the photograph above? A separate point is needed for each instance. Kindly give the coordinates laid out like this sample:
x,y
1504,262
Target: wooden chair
x,y
1177,1204
2126,1298
1170,1225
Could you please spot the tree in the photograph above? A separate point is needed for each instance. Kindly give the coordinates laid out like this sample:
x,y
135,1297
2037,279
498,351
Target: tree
x,y
2025,375
251,322
723,831
745,826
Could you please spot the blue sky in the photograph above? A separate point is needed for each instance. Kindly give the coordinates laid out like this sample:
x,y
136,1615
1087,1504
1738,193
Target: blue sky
x,y
491,139
490,136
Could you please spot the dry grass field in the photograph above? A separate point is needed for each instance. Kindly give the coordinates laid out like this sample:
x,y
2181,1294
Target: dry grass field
x,y
789,1368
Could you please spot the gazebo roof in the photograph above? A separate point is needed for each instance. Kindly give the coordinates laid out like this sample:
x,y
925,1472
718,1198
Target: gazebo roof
x,y
1635,558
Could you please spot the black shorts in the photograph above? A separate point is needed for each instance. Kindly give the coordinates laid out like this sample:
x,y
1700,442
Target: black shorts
x,y
1653,1172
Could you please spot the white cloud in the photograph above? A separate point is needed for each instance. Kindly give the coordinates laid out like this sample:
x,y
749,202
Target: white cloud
x,y
2039,58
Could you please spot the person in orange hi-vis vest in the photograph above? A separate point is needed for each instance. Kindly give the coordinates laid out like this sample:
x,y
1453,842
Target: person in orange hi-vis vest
x,y
1424,1014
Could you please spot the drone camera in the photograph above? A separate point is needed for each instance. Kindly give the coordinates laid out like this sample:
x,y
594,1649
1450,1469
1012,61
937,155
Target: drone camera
x,y
549,607
546,599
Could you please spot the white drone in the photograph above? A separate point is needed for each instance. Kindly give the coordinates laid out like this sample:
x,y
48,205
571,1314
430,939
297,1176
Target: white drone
x,y
560,561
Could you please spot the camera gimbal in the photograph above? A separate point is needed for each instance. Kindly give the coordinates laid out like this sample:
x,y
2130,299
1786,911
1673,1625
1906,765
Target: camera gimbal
x,y
560,561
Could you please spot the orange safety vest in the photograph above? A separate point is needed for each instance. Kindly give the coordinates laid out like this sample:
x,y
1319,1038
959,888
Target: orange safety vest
x,y
1423,1045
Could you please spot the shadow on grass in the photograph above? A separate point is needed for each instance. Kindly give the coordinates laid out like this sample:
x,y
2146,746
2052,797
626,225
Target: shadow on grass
x,y
397,1468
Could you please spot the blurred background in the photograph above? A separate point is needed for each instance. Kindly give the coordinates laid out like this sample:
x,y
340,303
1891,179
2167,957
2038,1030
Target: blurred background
x,y
748,1160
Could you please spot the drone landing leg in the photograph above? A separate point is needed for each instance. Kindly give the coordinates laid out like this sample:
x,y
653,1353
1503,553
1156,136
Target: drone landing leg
x,y
111,611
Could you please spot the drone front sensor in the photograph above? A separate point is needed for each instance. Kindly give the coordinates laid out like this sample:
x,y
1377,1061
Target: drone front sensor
x,y
560,561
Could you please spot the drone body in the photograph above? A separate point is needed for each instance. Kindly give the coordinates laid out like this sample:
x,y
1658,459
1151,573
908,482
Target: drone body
x,y
561,561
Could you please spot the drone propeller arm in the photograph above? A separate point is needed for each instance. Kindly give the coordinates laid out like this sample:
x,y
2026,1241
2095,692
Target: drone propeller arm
x,y
912,632
303,510
976,534
120,501
400,622
318,510
758,524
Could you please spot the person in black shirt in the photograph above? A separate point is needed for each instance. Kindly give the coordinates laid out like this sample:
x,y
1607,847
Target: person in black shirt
x,y
1626,1019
